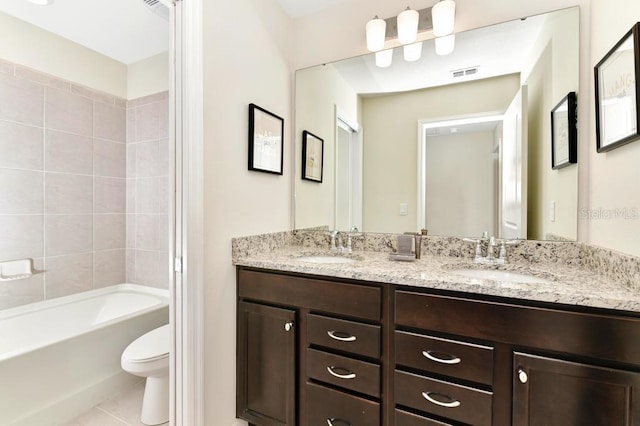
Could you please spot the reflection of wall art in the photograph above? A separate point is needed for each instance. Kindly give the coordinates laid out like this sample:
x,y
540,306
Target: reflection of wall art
x,y
617,93
564,133
312,156
266,136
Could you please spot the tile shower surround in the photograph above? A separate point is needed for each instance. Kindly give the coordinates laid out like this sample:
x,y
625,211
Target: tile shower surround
x,y
83,186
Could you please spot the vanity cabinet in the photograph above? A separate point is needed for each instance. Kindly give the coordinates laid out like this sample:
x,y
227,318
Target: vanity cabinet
x,y
485,362
309,350
321,351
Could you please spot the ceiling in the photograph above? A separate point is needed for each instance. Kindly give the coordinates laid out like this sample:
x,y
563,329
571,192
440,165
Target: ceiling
x,y
298,8
125,30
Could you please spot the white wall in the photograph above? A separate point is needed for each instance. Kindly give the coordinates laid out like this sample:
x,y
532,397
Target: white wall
x,y
28,45
613,178
148,76
247,51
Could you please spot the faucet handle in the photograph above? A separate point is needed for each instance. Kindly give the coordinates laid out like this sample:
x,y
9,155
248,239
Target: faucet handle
x,y
477,242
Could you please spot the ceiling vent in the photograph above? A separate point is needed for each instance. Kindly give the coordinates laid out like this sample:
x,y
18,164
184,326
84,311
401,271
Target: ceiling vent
x,y
464,72
158,7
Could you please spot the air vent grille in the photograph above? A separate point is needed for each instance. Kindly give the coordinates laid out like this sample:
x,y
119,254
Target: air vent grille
x,y
158,7
464,72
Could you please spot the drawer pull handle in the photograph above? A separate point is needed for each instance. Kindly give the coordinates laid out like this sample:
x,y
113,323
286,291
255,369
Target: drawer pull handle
x,y
429,355
347,375
336,422
452,404
335,335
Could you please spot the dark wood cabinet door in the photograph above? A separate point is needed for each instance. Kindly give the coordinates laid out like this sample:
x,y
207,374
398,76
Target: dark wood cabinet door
x,y
551,392
266,371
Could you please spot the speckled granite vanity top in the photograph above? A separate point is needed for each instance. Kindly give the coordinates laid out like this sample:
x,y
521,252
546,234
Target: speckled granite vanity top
x,y
569,280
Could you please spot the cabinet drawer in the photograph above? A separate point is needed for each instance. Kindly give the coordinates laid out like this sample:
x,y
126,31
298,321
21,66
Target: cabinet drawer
x,y
327,406
359,301
409,419
448,357
460,403
543,328
352,374
348,336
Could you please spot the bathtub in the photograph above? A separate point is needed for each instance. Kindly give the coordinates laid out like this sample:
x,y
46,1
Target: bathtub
x,y
62,356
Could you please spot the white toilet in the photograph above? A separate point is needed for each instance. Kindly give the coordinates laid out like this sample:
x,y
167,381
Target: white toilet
x,y
148,356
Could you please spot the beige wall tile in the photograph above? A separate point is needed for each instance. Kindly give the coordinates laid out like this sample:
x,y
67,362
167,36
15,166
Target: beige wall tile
x,y
68,234
131,231
21,192
110,195
152,268
68,153
131,195
131,265
152,195
68,112
21,146
67,275
152,158
110,267
110,122
22,237
68,194
131,125
152,121
109,158
132,150
152,232
41,78
21,100
109,231
6,67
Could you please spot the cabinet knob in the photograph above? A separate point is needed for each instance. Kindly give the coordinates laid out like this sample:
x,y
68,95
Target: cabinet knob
x,y
522,376
288,326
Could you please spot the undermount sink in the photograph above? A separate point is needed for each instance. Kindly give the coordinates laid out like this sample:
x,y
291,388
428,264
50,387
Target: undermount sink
x,y
325,259
498,275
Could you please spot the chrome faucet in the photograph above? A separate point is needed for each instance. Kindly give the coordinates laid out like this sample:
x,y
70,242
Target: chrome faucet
x,y
492,243
338,242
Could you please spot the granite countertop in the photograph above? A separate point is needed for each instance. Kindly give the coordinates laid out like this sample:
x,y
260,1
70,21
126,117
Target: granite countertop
x,y
570,285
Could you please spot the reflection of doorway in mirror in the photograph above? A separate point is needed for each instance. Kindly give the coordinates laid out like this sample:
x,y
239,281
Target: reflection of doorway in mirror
x,y
348,161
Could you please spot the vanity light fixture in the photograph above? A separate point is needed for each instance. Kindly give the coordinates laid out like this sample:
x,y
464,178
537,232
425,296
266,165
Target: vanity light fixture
x,y
440,18
384,58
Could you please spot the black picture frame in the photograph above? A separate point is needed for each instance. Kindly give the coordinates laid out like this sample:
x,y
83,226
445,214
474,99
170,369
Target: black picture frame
x,y
266,140
564,132
617,93
312,157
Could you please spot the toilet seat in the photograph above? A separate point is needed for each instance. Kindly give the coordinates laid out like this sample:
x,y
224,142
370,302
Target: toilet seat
x,y
149,347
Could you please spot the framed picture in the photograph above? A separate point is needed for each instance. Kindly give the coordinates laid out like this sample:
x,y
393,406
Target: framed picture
x,y
312,156
564,133
266,134
617,94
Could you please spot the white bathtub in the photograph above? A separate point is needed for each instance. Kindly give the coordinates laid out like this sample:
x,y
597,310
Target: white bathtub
x,y
62,356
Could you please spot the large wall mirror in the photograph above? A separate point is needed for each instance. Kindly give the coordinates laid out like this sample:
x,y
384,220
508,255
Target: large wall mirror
x,y
457,144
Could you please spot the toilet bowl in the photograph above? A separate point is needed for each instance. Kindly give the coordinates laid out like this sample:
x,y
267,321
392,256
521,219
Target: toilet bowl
x,y
148,356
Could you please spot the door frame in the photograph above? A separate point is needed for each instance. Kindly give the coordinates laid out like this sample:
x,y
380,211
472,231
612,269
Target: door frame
x,y
186,245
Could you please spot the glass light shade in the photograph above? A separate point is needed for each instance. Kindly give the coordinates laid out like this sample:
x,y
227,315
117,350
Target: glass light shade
x,y
445,45
376,30
412,52
408,26
443,15
384,58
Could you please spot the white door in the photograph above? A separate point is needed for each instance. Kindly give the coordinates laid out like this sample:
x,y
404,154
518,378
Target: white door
x,y
348,177
514,169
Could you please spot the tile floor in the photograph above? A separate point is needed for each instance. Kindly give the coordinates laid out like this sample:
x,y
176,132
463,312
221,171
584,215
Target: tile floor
x,y
120,410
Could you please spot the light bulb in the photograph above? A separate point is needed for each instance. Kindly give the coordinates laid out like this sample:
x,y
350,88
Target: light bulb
x,y
443,15
384,58
408,26
376,30
412,52
446,44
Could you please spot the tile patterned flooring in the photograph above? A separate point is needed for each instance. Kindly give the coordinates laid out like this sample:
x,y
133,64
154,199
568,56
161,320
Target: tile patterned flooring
x,y
120,410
